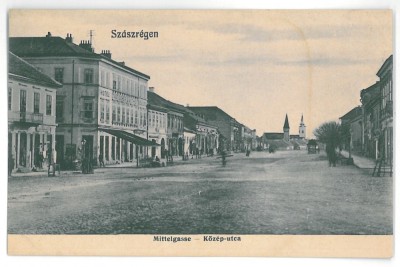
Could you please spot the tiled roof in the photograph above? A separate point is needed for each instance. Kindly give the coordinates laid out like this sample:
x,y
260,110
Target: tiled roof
x,y
387,64
352,114
22,70
210,112
273,136
190,119
56,46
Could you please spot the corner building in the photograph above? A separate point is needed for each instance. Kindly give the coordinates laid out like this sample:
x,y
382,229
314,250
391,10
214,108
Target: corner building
x,y
102,107
31,116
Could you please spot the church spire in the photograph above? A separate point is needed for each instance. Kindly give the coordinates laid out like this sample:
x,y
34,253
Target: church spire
x,y
286,125
286,135
302,128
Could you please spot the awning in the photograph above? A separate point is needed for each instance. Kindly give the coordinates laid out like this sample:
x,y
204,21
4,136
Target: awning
x,y
137,140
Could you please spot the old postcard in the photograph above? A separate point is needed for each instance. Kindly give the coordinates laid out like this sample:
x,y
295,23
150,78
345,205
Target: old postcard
x,y
200,133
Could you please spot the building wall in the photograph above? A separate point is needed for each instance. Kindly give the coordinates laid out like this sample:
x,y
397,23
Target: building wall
x,y
112,98
157,131
31,133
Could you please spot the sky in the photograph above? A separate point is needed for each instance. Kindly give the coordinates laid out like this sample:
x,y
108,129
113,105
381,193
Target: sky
x,y
256,65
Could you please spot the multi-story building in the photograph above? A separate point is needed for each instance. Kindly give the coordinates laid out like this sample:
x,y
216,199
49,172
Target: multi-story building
x,y
102,107
179,118
157,130
370,98
229,129
385,75
352,121
31,115
175,113
207,136
248,138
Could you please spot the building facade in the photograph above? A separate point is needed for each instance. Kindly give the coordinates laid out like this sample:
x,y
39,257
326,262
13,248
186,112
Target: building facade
x,y
101,109
370,98
229,129
157,131
385,75
31,116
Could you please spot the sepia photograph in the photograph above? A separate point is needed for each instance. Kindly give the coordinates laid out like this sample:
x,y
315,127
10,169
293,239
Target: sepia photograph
x,y
201,127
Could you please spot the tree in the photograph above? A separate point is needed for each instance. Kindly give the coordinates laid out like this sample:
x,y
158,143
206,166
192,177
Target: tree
x,y
330,134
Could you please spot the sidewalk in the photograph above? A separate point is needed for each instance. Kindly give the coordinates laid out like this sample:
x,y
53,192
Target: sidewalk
x,y
42,173
176,161
360,162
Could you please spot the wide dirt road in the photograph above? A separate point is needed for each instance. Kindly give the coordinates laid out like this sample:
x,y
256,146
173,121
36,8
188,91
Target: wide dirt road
x,y
282,193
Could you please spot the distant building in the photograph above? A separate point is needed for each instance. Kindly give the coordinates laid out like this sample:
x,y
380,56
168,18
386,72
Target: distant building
x,y
302,128
228,127
182,121
284,140
31,115
102,107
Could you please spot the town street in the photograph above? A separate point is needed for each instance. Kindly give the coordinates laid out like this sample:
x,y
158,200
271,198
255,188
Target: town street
x,y
288,192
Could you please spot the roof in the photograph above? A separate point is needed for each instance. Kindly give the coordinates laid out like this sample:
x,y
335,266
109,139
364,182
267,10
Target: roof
x,y
286,125
190,119
51,46
156,100
387,64
273,136
157,108
210,112
21,70
371,93
279,143
352,114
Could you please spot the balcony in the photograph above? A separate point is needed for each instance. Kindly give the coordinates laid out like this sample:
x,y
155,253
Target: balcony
x,y
26,117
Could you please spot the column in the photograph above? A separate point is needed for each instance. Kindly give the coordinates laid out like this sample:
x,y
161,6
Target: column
x,y
13,148
104,148
28,148
33,149
18,148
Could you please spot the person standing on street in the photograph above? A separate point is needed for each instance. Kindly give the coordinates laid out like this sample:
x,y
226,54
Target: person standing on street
x,y
101,160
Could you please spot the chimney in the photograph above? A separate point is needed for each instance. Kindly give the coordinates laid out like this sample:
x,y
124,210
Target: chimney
x,y
68,39
151,89
86,45
122,63
106,53
48,34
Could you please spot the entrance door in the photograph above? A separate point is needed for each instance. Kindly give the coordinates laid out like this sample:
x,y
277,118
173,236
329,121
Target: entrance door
x,y
22,150
88,146
60,149
163,148
153,149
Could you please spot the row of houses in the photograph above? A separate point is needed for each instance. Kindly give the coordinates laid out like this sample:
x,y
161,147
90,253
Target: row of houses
x,y
371,124
67,103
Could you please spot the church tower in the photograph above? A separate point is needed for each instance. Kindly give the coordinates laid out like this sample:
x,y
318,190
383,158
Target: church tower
x,y
302,128
286,128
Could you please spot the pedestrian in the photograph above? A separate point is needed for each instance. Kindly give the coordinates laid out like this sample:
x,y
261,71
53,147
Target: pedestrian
x,y
101,160
223,157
